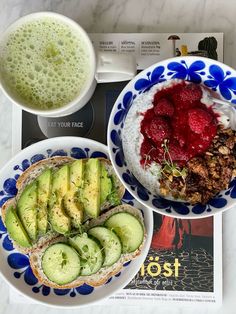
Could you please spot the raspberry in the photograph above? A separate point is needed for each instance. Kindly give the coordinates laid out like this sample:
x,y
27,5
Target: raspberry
x,y
198,120
164,108
187,96
157,130
176,152
180,138
191,93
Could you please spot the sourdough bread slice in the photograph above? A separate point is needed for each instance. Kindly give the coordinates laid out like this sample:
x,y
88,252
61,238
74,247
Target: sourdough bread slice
x,y
33,172
36,169
104,273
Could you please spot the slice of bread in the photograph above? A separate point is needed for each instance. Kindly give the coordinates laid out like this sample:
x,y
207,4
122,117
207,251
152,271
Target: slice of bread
x,y
55,162
33,172
36,169
104,273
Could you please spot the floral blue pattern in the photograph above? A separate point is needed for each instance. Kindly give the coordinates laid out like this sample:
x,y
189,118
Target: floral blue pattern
x,y
6,242
168,206
232,189
9,190
118,150
20,262
217,202
134,184
128,198
195,69
81,290
152,78
217,78
180,70
123,108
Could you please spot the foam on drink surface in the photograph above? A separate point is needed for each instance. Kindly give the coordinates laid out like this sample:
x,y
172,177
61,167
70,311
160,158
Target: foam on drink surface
x,y
45,63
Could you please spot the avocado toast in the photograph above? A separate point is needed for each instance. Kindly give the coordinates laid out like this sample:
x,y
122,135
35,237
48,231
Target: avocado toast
x,y
67,216
49,200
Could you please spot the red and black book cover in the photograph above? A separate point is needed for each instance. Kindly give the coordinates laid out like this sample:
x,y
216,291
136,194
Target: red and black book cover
x,y
180,257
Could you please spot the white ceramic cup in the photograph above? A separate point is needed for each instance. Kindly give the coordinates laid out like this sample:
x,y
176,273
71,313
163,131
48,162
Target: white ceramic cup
x,y
104,67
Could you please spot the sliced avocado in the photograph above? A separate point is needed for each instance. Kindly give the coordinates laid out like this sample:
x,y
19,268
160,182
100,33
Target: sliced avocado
x,y
114,198
73,207
60,222
44,187
16,229
76,175
27,209
90,193
60,184
105,184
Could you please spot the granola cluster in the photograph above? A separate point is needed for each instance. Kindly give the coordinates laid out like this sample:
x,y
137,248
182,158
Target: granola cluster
x,y
207,174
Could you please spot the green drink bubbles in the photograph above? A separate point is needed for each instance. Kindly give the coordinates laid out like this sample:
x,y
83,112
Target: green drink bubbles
x,y
45,63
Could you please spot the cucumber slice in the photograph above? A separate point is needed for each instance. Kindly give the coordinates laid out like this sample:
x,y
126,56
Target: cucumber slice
x,y
129,230
91,257
110,243
61,263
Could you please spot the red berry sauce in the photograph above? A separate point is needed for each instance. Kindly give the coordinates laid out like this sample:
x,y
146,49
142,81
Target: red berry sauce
x,y
179,117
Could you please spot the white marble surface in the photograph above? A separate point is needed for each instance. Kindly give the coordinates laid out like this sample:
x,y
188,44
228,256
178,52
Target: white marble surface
x,y
133,16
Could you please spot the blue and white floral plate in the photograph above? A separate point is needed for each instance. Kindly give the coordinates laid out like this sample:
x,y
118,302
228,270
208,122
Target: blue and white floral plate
x,y
213,74
15,267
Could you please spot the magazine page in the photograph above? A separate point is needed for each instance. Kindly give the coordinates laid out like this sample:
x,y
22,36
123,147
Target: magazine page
x,y
154,47
183,264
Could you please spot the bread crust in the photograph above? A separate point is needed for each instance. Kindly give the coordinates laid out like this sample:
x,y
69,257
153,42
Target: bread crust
x,y
37,168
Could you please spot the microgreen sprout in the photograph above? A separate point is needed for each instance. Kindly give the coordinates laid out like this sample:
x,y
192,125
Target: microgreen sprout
x,y
169,169
147,157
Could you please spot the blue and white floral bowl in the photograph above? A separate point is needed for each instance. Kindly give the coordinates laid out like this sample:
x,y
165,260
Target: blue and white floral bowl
x,y
213,74
15,267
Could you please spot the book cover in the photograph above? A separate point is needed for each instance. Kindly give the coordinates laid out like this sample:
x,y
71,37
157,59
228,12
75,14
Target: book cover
x,y
183,264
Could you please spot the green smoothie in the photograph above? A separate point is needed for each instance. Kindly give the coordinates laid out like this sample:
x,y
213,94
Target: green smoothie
x,y
45,63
